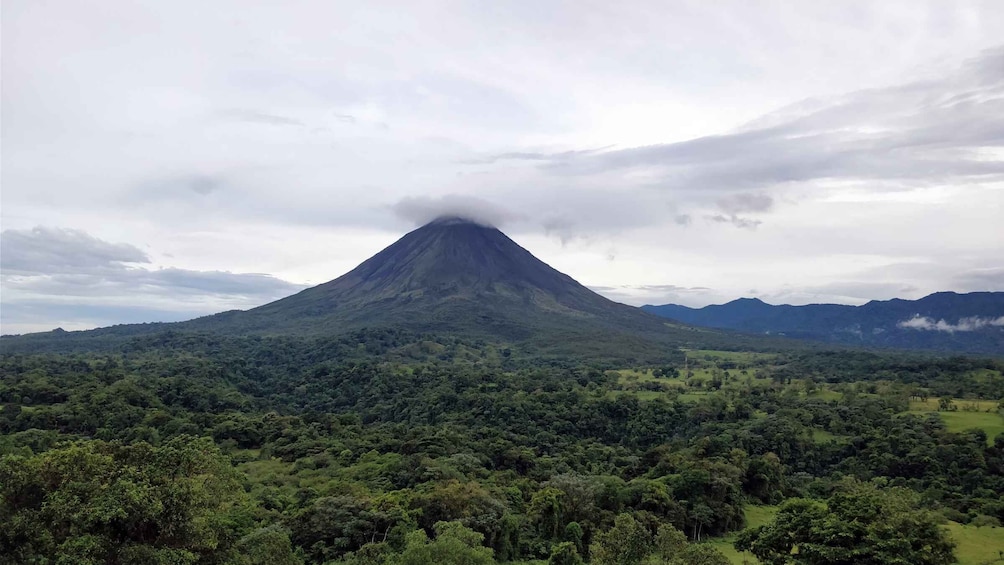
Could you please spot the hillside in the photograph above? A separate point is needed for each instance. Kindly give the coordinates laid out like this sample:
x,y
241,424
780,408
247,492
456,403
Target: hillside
x,y
944,321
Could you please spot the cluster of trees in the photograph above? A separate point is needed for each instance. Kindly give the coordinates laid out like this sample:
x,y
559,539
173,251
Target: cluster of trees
x,y
858,524
394,450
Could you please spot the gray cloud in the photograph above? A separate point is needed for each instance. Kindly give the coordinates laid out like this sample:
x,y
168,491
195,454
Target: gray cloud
x,y
156,190
203,185
942,130
561,228
970,324
55,250
73,273
737,221
422,209
137,281
745,202
32,316
639,294
991,278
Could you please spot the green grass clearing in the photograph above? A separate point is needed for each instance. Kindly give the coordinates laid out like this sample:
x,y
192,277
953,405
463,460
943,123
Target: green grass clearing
x,y
734,356
823,436
969,414
992,424
724,545
755,516
961,405
826,394
977,545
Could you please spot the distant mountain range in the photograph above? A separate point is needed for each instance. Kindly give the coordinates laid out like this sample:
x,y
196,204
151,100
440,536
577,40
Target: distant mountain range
x,y
945,321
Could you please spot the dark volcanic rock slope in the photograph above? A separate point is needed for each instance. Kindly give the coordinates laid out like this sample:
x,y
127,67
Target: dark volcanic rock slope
x,y
451,275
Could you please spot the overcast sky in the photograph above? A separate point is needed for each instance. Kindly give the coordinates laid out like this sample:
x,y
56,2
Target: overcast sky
x,y
163,160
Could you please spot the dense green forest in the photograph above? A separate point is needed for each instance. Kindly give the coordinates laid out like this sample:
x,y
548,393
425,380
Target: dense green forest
x,y
390,447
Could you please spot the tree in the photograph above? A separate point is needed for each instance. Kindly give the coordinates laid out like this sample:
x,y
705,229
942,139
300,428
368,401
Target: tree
x,y
98,502
860,524
627,543
546,511
765,478
946,404
266,546
672,548
701,516
455,544
564,553
334,525
702,554
670,542
466,502
574,534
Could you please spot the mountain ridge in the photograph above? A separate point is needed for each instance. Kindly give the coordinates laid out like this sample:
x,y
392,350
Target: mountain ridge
x,y
948,321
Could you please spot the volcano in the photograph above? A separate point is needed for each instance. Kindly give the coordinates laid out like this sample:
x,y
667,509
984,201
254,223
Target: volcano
x,y
452,275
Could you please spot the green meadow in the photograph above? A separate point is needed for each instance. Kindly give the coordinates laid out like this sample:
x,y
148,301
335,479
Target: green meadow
x,y
975,545
755,516
978,545
967,415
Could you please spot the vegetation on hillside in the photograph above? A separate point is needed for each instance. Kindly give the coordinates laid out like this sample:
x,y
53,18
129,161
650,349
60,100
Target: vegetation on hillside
x,y
389,447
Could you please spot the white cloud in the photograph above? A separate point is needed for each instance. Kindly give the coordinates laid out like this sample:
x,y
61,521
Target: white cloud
x,y
969,324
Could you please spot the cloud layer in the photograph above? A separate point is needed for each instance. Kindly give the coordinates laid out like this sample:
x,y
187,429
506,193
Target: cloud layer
x,y
969,324
825,153
63,274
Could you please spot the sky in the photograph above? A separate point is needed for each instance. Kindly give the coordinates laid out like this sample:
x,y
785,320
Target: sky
x,y
165,160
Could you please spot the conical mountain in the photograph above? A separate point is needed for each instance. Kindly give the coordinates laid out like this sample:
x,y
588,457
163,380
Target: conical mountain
x,y
452,275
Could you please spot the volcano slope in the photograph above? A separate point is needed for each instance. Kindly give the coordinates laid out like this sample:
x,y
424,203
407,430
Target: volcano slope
x,y
457,277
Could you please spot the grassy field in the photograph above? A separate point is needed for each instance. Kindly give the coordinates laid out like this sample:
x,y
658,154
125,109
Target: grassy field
x,y
823,436
639,376
654,394
690,385
692,396
992,424
755,516
826,394
977,546
734,356
985,417
962,404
